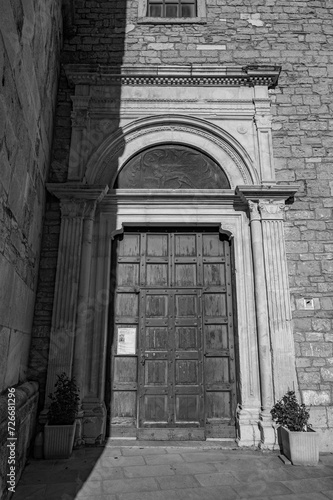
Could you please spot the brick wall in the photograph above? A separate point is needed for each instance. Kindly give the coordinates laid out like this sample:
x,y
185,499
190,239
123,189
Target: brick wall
x,y
295,34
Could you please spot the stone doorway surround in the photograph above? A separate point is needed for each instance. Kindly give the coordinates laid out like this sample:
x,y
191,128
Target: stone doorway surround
x,y
224,111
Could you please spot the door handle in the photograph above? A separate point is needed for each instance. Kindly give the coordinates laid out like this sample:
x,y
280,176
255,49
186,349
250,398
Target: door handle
x,y
143,359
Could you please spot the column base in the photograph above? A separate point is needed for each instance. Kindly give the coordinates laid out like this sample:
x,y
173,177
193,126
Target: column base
x,y
248,428
268,435
94,422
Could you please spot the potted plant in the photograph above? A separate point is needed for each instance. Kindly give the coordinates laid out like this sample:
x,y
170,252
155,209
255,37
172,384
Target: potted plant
x,y
59,430
299,440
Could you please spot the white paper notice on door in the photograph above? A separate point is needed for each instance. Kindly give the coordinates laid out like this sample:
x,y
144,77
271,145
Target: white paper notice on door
x,y
126,341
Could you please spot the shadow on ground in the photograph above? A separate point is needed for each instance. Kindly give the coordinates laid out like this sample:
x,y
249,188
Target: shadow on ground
x,y
168,471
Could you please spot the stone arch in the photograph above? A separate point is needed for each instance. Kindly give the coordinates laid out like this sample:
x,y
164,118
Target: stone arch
x,y
117,149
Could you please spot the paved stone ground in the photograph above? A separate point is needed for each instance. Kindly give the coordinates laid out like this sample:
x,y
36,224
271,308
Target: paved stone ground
x,y
126,470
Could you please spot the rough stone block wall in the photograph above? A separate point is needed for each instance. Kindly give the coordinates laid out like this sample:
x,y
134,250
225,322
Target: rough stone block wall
x,y
298,36
30,40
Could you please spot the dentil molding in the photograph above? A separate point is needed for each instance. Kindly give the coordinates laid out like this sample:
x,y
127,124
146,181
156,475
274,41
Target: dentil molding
x,y
194,75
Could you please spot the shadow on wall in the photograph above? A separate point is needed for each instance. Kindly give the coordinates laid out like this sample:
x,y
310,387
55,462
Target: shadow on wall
x,y
93,34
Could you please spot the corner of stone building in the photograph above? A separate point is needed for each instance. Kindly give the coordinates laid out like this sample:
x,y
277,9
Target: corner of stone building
x,y
30,42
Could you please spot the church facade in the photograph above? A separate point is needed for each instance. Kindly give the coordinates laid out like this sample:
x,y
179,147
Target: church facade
x,y
185,272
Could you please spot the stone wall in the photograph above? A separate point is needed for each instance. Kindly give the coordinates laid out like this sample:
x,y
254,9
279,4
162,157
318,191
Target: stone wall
x,y
298,36
30,39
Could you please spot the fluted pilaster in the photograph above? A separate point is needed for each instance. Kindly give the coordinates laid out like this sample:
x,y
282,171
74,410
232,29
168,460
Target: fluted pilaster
x,y
66,291
67,337
264,344
275,340
284,372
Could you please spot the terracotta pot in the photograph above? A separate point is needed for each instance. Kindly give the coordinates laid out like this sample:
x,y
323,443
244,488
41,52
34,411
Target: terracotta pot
x,y
58,440
301,448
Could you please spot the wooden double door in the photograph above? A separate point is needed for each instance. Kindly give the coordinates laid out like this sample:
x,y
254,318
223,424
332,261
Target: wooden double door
x,y
173,361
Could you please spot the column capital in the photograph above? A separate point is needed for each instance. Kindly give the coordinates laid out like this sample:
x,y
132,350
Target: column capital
x,y
71,208
254,210
271,209
77,200
263,121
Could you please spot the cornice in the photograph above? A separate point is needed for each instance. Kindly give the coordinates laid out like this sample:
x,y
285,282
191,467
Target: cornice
x,y
73,191
274,192
190,75
170,197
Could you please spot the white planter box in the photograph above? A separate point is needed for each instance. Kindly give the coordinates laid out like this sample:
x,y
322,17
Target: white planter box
x,y
58,440
301,448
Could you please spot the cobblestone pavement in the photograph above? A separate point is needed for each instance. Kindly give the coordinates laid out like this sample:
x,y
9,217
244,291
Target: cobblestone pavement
x,y
126,470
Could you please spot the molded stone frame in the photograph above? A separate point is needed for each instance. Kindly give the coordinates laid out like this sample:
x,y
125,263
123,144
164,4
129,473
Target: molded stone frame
x,y
226,113
143,18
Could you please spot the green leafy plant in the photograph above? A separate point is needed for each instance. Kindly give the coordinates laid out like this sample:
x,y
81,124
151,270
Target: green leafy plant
x,y
65,401
290,414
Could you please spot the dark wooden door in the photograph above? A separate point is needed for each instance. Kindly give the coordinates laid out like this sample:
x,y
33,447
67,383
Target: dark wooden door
x,y
171,381
174,289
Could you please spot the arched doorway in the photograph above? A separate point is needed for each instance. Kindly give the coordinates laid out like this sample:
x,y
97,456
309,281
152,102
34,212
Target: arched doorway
x,y
230,124
172,348
173,372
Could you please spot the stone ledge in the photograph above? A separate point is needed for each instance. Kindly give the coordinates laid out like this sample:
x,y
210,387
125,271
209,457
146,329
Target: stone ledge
x,y
172,20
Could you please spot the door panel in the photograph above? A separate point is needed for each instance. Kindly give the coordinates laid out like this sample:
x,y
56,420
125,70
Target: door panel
x,y
175,288
218,404
216,337
157,274
155,409
156,306
187,408
216,372
214,305
123,406
156,372
187,372
185,245
186,274
127,305
129,246
186,306
128,274
212,245
156,338
157,245
214,274
186,338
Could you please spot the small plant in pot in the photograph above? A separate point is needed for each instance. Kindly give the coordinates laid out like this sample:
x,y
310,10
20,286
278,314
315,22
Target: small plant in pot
x,y
299,441
59,431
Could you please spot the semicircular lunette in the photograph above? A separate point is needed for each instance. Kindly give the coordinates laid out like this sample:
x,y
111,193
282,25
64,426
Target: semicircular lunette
x,y
171,166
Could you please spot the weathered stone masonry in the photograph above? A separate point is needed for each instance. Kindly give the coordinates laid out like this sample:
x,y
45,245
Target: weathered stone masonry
x,y
297,36
30,39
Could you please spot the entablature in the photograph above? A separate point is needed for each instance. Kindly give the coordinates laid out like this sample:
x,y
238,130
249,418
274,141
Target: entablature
x,y
197,75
